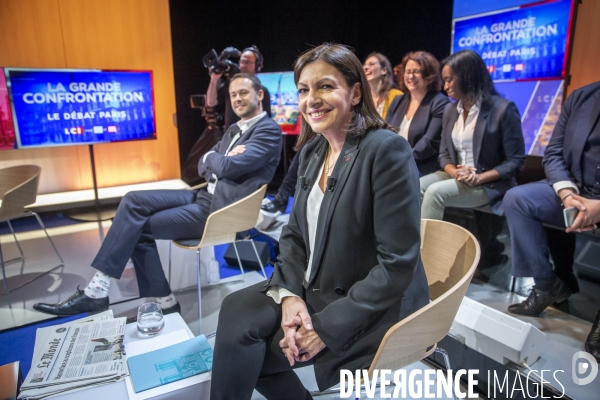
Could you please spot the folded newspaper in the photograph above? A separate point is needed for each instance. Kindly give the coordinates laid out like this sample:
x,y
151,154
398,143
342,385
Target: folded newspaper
x,y
77,355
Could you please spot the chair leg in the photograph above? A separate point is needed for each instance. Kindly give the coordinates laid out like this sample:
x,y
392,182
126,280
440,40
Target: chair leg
x,y
444,354
170,247
239,261
258,258
199,292
3,272
20,258
62,263
512,286
48,236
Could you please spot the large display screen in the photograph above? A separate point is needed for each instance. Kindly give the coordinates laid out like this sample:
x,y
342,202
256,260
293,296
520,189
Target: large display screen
x,y
7,130
526,41
540,104
73,107
284,100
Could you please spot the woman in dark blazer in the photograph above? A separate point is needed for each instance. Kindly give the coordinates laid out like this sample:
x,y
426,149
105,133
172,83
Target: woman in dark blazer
x,y
482,147
349,265
418,113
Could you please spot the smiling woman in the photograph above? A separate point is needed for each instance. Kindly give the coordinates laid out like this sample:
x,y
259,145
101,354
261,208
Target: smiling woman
x,y
349,264
482,147
418,113
379,73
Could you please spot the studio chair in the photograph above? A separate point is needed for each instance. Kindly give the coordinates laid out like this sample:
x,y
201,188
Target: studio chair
x,y
221,227
450,255
18,189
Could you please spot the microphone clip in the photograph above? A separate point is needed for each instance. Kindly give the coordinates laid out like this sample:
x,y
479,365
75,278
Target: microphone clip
x,y
303,184
331,183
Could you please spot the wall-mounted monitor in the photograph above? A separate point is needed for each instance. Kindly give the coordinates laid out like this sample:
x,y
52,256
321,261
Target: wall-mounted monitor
x,y
59,107
7,130
284,100
518,40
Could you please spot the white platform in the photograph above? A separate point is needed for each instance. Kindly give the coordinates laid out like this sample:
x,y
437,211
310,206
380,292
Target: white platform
x,y
61,200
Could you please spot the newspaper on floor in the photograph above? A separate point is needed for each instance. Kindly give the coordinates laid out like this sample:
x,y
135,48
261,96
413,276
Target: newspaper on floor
x,y
75,356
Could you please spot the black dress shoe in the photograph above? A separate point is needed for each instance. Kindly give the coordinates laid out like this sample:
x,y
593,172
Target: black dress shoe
x,y
538,300
277,204
592,343
75,304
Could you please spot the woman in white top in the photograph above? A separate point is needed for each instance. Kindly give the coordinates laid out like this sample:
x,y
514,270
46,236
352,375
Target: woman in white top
x,y
418,113
482,147
349,265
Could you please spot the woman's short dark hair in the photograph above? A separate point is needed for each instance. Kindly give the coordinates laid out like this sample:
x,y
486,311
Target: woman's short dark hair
x,y
430,70
472,76
365,115
387,81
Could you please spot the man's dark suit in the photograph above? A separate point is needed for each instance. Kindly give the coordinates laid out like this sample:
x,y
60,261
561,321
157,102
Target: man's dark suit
x,y
528,207
145,216
425,129
497,144
365,277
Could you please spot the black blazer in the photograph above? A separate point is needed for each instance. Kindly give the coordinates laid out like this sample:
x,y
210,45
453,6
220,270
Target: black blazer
x,y
367,273
243,174
564,154
497,144
425,129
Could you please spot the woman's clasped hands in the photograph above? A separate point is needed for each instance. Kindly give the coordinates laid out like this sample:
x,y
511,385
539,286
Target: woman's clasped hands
x,y
300,341
467,175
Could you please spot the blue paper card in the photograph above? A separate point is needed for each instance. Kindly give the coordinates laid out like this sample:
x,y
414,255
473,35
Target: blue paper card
x,y
170,364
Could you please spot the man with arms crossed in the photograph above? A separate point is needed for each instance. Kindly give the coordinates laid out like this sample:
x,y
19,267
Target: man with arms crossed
x,y
244,160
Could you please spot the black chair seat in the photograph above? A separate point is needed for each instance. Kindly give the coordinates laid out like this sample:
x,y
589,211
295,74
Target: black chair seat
x,y
188,242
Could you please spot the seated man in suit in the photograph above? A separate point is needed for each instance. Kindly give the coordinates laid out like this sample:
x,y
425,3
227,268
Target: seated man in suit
x,y
244,160
572,165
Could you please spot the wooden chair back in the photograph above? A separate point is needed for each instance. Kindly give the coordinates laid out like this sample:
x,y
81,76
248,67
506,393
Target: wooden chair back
x,y
450,255
18,189
222,225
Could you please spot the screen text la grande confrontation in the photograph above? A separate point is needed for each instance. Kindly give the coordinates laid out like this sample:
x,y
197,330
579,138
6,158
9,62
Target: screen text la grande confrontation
x,y
80,92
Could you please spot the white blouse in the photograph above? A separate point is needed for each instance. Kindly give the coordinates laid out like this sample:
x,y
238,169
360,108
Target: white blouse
x,y
462,134
313,206
404,127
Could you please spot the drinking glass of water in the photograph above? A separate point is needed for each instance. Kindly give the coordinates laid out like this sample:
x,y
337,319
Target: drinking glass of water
x,y
150,319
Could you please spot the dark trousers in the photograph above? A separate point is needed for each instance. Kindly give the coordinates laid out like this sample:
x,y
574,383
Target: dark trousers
x,y
527,208
143,217
288,186
247,353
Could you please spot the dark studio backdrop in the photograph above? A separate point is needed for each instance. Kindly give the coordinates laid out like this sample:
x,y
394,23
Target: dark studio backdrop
x,y
284,29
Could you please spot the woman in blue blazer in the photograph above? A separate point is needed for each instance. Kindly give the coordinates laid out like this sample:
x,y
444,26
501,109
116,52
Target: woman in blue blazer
x,y
418,113
482,147
349,265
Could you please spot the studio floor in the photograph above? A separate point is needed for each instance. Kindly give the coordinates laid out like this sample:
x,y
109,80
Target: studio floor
x,y
566,328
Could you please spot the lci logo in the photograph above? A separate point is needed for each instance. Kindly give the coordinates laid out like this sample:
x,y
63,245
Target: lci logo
x,y
77,130
580,368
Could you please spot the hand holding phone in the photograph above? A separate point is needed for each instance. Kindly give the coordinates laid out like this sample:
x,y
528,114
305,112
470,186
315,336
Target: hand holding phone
x,y
570,214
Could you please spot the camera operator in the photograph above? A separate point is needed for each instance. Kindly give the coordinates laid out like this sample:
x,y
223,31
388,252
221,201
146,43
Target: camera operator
x,y
251,62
